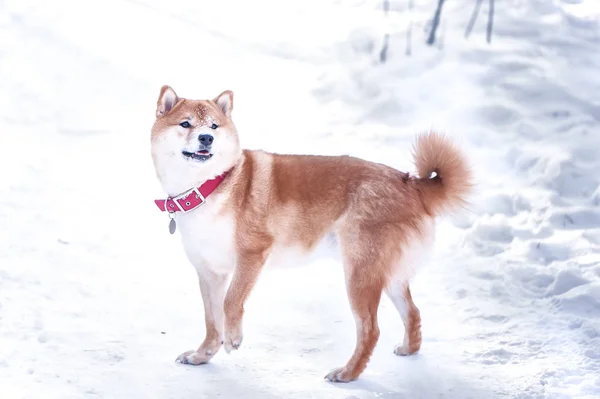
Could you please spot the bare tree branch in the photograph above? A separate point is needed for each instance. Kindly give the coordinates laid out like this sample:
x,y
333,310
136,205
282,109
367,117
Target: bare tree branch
x,y
386,38
490,22
384,48
436,22
473,18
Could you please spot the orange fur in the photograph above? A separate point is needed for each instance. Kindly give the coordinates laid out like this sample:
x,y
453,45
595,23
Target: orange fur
x,y
434,153
278,201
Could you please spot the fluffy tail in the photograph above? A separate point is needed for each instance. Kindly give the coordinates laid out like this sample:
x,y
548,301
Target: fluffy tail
x,y
444,175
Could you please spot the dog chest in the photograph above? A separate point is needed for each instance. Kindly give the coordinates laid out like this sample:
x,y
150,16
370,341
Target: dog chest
x,y
208,240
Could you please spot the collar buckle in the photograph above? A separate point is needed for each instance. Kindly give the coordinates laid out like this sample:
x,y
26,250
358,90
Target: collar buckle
x,y
176,200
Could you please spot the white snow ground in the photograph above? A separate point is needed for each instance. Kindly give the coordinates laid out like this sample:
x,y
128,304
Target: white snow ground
x,y
97,300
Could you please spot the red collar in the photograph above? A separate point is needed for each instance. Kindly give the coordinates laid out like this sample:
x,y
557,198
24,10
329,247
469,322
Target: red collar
x,y
190,199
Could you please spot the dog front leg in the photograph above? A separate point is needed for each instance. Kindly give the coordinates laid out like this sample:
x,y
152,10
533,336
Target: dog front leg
x,y
244,278
212,287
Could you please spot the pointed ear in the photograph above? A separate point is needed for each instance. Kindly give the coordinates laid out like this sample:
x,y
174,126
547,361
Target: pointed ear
x,y
166,101
225,102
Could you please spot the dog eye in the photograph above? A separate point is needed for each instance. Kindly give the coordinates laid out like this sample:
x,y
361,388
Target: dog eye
x,y
185,124
214,126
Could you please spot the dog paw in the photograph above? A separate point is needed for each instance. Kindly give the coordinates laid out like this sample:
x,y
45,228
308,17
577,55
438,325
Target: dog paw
x,y
232,342
194,357
339,375
233,336
404,350
201,355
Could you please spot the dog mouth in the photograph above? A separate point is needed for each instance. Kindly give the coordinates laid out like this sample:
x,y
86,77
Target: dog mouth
x,y
203,155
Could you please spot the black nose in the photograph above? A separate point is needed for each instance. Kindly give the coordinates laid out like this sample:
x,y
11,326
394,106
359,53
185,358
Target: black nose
x,y
206,139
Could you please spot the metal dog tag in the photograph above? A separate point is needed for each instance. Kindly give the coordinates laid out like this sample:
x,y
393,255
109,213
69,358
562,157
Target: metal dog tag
x,y
172,224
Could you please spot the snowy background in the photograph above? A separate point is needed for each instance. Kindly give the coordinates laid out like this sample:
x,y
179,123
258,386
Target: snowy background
x,y
97,299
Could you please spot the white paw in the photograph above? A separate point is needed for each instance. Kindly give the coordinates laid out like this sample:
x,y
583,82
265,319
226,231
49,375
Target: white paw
x,y
338,375
403,350
232,343
194,357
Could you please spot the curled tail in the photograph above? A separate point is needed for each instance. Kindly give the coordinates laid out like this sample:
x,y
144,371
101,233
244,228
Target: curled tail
x,y
444,175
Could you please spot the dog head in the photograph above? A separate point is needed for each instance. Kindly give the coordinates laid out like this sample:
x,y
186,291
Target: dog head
x,y
193,140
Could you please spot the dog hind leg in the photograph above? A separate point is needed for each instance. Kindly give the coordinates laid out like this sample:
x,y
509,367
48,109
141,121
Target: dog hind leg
x,y
399,294
364,283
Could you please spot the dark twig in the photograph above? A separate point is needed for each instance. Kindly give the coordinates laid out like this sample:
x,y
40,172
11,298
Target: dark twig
x,y
490,22
436,22
473,18
386,38
384,48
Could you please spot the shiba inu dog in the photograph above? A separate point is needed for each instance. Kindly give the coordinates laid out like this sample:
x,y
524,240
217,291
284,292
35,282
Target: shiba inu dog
x,y
234,207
